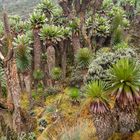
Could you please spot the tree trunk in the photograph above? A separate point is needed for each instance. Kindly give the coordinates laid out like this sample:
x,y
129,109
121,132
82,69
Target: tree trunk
x,y
127,120
57,56
64,58
76,42
37,53
27,80
50,62
83,30
105,125
11,74
44,66
37,49
14,92
21,82
0,90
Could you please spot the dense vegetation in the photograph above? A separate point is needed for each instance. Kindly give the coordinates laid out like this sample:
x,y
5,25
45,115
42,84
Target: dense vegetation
x,y
70,70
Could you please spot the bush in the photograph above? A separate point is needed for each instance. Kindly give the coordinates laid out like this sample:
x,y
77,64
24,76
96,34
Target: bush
x,y
99,66
51,91
76,79
74,93
122,45
56,73
43,123
29,136
83,57
38,74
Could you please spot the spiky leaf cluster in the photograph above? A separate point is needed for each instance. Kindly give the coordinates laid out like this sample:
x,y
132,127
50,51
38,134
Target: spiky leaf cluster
x,y
74,24
102,27
23,52
73,93
52,11
46,7
37,19
83,57
96,92
54,33
118,24
38,74
125,82
16,24
56,73
120,46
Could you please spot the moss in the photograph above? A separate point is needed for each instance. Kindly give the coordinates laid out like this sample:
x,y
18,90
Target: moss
x,y
136,136
24,101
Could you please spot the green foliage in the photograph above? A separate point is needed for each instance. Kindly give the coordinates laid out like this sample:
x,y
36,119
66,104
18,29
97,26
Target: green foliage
x,y
99,66
3,81
17,24
37,19
106,4
38,74
56,73
74,24
46,6
125,82
117,14
14,19
83,57
29,136
76,79
74,93
119,22
44,57
96,92
122,45
118,36
42,123
23,52
51,91
40,87
102,27
1,29
96,89
54,33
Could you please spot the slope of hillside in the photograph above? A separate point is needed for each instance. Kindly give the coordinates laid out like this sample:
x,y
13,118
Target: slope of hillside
x,y
20,7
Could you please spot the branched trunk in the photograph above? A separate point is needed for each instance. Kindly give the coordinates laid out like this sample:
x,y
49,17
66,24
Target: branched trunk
x,y
11,74
14,92
83,30
64,5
